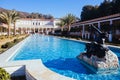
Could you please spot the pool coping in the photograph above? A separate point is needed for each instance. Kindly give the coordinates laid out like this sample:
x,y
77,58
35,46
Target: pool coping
x,y
34,70
87,42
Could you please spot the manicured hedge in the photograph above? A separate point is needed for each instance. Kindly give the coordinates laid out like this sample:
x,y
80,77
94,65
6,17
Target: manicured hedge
x,y
10,44
7,45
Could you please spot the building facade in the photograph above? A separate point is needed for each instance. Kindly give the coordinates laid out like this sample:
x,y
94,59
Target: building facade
x,y
37,25
109,24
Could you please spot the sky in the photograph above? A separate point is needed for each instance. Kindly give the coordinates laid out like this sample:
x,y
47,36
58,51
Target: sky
x,y
56,8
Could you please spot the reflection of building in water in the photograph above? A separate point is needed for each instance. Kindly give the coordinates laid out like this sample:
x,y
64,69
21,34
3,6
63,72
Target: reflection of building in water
x,y
37,25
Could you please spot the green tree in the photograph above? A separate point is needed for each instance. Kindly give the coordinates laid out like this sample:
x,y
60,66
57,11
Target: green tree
x,y
8,18
105,8
39,16
116,6
61,24
15,17
86,13
48,16
68,20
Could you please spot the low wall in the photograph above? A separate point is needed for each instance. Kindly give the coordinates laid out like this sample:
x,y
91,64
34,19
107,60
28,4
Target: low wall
x,y
15,70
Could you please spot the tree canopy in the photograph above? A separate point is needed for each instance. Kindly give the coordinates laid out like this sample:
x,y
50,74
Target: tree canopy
x,y
106,8
39,16
9,18
68,20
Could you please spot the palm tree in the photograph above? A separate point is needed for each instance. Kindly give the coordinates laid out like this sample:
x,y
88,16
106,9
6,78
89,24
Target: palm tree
x,y
61,24
15,17
69,19
8,18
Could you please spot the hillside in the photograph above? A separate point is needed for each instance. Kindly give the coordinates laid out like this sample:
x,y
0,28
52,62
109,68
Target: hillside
x,y
31,15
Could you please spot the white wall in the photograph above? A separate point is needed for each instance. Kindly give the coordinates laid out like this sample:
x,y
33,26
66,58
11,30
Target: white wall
x,y
37,23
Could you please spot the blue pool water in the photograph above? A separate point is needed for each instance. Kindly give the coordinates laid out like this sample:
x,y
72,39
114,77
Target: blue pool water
x,y
59,55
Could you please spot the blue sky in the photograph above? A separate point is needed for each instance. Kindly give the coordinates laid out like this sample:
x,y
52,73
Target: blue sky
x,y
57,8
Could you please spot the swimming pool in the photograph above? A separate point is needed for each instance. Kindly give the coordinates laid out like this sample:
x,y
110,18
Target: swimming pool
x,y
59,55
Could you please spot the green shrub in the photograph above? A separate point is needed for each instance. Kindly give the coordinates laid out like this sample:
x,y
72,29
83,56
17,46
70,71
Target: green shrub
x,y
16,40
2,37
7,45
4,46
4,75
78,38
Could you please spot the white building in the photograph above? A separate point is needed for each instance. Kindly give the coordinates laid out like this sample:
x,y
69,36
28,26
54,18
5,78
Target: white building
x,y
37,25
107,21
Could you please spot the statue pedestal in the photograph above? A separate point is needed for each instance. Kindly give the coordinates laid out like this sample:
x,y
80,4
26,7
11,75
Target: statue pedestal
x,y
108,62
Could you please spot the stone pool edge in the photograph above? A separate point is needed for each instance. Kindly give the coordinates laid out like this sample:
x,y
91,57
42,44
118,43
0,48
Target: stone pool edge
x,y
32,69
72,39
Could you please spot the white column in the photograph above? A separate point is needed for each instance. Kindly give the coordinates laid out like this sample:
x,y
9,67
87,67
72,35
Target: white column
x,y
53,31
34,30
110,35
111,22
28,30
25,30
22,30
31,29
42,30
46,31
99,25
38,30
83,31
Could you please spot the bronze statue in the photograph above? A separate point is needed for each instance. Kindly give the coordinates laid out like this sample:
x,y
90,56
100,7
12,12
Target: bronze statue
x,y
98,47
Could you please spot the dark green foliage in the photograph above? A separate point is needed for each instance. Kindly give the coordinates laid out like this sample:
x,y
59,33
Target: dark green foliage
x,y
106,8
116,6
7,45
10,44
38,16
57,31
4,75
75,29
87,12
16,40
